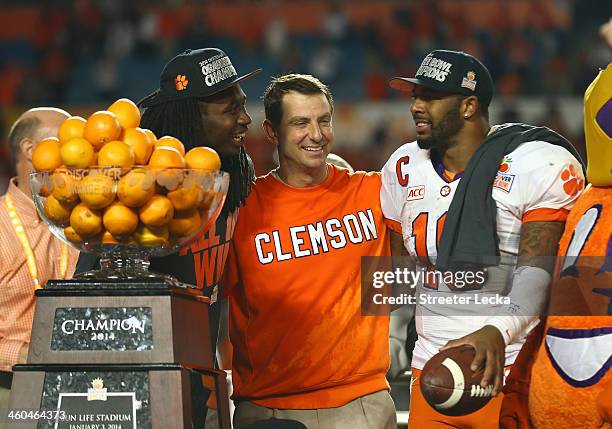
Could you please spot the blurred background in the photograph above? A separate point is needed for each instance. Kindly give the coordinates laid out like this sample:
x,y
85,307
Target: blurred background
x,y
82,54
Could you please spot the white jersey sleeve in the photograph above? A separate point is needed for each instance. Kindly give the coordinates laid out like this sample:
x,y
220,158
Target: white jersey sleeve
x,y
394,184
551,180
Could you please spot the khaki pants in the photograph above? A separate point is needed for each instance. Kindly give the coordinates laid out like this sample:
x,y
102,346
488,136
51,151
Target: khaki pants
x,y
373,411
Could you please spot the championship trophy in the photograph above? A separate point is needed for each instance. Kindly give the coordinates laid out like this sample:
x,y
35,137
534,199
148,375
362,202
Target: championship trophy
x,y
119,347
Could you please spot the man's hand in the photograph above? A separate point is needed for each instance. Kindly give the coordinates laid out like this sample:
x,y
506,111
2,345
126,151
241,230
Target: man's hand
x,y
490,354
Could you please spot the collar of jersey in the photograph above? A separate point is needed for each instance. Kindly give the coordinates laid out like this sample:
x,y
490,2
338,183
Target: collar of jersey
x,y
331,171
439,167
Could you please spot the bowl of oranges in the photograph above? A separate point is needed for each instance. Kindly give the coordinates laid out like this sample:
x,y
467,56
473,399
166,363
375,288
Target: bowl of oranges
x,y
109,187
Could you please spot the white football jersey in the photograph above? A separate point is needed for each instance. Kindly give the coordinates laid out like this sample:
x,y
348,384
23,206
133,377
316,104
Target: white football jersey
x,y
538,181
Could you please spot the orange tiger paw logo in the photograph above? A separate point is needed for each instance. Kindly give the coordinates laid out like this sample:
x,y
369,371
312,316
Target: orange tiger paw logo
x,y
180,82
572,184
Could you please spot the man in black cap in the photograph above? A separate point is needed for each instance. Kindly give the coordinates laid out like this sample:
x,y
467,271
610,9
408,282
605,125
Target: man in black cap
x,y
200,102
470,198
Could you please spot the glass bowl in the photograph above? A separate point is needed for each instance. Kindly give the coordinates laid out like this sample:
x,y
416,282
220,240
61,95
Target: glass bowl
x,y
127,215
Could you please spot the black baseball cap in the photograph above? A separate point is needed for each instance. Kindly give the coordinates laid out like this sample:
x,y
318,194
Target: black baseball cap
x,y
450,71
194,74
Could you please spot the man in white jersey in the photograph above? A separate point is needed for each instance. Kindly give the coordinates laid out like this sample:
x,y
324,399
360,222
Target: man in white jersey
x,y
511,187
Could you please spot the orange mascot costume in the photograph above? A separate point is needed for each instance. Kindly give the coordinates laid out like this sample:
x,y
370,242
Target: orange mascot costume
x,y
562,377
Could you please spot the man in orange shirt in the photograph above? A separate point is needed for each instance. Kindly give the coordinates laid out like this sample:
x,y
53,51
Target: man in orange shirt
x,y
23,233
302,348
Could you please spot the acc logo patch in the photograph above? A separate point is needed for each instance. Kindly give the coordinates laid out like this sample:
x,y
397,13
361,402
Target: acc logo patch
x,y
415,193
503,181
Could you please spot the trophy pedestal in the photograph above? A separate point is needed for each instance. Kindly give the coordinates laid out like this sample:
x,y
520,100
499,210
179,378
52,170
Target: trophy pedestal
x,y
114,356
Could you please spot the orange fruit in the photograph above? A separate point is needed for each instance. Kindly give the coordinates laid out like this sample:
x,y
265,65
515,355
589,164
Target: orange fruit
x,y
97,190
116,154
72,236
85,221
158,211
119,220
203,158
151,135
73,127
127,113
166,156
136,188
185,223
102,127
65,187
77,153
186,197
141,144
58,213
46,155
171,142
152,236
107,238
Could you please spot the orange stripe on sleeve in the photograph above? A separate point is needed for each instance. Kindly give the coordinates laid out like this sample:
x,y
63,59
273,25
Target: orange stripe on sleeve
x,y
545,215
394,225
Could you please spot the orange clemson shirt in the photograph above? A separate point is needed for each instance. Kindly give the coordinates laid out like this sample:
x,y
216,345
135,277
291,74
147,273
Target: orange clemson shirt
x,y
293,281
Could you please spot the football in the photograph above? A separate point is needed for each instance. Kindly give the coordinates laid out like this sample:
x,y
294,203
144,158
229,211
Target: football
x,y
450,386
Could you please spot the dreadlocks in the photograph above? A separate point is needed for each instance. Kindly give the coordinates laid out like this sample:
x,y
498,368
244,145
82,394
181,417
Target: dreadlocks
x,y
181,119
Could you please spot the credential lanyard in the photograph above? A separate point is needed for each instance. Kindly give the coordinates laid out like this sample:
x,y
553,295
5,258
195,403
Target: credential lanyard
x,y
27,248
